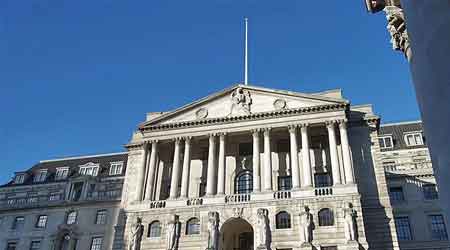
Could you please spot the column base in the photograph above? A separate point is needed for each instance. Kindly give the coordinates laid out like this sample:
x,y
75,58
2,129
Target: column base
x,y
262,247
306,246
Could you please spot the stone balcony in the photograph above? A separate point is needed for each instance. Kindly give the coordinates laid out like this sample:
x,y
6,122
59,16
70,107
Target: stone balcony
x,y
409,168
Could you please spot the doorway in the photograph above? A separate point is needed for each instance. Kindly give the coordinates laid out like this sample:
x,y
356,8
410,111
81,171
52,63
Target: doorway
x,y
236,234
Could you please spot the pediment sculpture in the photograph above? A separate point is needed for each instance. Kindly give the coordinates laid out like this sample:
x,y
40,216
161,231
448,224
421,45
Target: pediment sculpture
x,y
241,101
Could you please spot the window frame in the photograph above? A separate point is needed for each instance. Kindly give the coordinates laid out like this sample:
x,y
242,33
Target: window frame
x,y
326,217
283,220
19,178
15,224
391,197
116,168
154,229
429,195
95,245
9,243
73,216
35,241
39,221
101,217
41,176
383,139
285,183
90,168
243,186
443,229
62,173
403,219
419,135
193,228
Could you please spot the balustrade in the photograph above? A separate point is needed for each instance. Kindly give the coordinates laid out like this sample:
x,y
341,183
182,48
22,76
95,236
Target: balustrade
x,y
323,191
194,202
280,195
157,204
237,198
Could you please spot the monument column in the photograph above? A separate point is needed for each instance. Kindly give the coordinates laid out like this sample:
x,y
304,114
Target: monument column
x,y
186,168
294,157
151,171
346,154
267,161
307,178
175,170
141,173
221,163
210,180
256,162
333,153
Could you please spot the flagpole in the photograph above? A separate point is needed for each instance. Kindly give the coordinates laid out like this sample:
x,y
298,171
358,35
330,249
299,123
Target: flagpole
x,y
246,53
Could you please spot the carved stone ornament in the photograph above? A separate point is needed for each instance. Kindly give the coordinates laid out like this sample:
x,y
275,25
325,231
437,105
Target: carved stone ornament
x,y
201,113
240,102
213,231
397,28
173,230
263,229
279,104
306,222
137,229
237,212
350,222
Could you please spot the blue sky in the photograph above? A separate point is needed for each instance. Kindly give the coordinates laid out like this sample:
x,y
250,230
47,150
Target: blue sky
x,y
76,77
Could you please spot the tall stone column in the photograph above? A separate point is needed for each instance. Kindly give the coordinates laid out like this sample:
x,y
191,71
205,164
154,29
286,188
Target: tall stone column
x,y
175,170
333,153
256,162
267,161
141,173
210,180
346,154
186,168
294,157
151,171
221,163
307,178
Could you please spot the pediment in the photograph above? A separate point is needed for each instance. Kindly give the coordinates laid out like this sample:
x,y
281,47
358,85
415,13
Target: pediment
x,y
244,100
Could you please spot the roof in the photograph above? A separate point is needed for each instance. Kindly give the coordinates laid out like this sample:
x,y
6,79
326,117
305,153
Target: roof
x,y
398,131
104,161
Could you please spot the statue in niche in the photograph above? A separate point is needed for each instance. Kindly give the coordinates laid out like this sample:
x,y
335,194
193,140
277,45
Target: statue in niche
x,y
306,223
350,222
263,239
137,229
240,102
243,161
173,230
213,231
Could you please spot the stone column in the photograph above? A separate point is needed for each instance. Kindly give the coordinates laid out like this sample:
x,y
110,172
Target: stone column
x,y
175,170
221,174
210,180
151,171
294,157
333,153
141,173
346,154
256,161
186,168
307,178
267,161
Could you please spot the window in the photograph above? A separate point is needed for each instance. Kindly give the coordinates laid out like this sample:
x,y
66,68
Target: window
x,y
385,142
96,243
193,226
244,183
154,229
284,183
71,218
115,168
77,189
54,197
19,179
40,176
403,228
41,221
11,246
396,194
35,245
89,169
245,149
283,220
438,230
326,217
414,139
430,192
61,173
322,180
18,223
100,219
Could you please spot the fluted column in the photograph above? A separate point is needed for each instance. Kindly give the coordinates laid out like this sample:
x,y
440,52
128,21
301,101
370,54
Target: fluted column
x,y
333,153
186,168
294,157
141,173
267,161
346,154
221,167
307,178
210,180
175,170
256,162
151,171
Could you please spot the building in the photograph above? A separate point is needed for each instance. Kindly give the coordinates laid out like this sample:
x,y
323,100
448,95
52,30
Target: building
x,y
244,168
418,216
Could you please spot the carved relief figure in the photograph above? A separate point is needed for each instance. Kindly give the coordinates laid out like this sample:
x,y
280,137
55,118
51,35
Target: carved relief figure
x,y
306,221
397,28
350,222
263,239
213,231
137,229
240,102
173,233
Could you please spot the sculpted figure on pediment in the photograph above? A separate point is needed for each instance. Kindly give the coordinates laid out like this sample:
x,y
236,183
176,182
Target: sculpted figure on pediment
x,y
240,102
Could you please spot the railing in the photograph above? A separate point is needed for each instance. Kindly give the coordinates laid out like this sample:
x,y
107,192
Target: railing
x,y
281,195
194,202
237,198
104,195
29,202
157,204
322,191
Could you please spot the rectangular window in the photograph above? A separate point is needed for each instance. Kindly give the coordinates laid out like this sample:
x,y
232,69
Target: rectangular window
x,y
41,221
35,245
54,197
430,192
90,170
414,139
438,229
322,180
11,246
61,173
385,142
40,176
396,194
19,179
18,223
403,228
71,218
115,168
245,149
284,183
96,243
100,218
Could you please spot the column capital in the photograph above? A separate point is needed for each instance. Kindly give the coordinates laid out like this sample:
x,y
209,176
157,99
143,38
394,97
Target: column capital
x,y
177,140
303,125
187,139
330,123
292,128
222,134
266,130
342,123
256,131
212,134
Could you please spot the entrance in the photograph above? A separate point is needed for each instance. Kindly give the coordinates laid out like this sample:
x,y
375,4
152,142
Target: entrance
x,y
236,234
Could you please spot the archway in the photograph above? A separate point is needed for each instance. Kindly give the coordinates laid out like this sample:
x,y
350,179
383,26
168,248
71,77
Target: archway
x,y
236,234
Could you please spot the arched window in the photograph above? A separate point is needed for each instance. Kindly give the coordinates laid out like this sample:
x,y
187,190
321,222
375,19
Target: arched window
x,y
326,217
193,226
154,229
244,182
283,220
